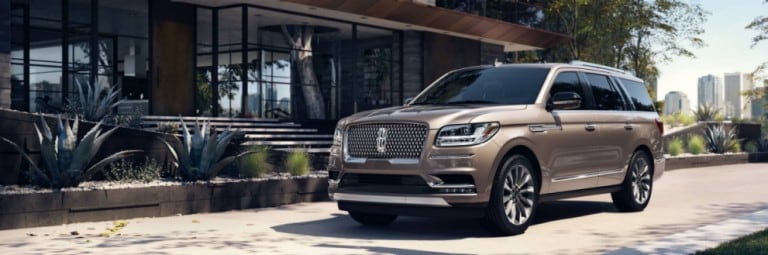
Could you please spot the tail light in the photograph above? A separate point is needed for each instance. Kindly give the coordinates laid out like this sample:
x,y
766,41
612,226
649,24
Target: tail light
x,y
660,125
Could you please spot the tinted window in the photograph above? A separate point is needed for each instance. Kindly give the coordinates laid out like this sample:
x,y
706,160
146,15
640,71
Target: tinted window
x,y
638,93
606,97
567,82
501,85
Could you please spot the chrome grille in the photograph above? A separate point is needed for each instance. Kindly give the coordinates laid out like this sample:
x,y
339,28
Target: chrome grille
x,y
403,140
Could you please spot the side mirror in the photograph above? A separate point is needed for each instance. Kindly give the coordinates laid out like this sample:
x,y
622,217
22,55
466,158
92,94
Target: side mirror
x,y
407,101
564,101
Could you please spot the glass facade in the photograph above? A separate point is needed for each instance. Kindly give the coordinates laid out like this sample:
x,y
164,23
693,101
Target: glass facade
x,y
249,61
58,44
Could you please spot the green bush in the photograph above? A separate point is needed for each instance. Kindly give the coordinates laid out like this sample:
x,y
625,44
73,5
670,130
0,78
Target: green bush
x,y
131,171
751,147
256,164
734,146
684,119
297,163
707,113
696,144
675,146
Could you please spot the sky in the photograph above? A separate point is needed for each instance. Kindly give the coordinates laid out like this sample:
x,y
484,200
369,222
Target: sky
x,y
728,48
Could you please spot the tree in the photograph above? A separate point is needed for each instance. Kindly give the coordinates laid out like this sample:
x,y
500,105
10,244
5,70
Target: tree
x,y
299,37
760,24
629,34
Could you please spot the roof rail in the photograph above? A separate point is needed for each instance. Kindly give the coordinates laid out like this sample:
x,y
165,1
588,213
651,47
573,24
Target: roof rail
x,y
599,66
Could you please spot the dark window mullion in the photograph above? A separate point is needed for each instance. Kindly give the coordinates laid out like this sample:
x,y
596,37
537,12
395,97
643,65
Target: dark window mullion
x,y
64,49
215,62
244,62
94,54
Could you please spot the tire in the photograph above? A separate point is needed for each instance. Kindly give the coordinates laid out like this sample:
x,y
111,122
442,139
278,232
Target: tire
x,y
637,187
373,219
514,196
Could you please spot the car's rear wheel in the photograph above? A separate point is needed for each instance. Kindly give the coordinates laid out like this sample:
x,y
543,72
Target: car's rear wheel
x,y
372,219
637,187
514,196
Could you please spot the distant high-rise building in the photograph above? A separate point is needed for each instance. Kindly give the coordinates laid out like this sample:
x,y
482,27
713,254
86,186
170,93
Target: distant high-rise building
x,y
736,105
711,91
675,102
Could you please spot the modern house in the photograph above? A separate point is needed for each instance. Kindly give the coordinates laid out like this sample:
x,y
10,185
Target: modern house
x,y
286,59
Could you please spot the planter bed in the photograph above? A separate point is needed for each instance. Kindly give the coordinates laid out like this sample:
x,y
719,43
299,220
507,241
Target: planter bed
x,y
22,208
689,160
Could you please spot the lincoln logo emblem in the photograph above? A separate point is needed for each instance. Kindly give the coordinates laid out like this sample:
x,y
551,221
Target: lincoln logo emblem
x,y
381,140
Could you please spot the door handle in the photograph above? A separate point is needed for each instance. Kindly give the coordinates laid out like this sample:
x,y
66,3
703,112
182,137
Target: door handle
x,y
628,127
590,127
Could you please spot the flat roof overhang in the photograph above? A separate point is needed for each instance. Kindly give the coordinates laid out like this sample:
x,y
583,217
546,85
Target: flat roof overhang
x,y
409,15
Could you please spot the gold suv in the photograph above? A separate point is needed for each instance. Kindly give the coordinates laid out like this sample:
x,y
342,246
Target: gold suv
x,y
494,141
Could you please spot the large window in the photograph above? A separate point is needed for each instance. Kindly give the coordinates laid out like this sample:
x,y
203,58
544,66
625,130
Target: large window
x,y
58,44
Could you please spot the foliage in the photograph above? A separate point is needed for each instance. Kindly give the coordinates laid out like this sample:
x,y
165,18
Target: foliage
x,y
696,144
760,24
675,146
197,155
95,101
131,171
130,120
65,158
734,146
255,165
679,119
720,139
755,243
751,147
629,34
297,163
706,112
168,127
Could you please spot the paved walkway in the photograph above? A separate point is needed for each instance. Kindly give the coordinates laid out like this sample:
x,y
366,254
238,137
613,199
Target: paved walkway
x,y
684,206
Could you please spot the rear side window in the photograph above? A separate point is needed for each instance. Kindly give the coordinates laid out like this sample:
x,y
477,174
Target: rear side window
x,y
639,95
606,96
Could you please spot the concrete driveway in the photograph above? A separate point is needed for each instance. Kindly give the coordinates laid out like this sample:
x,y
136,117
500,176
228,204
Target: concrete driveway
x,y
682,200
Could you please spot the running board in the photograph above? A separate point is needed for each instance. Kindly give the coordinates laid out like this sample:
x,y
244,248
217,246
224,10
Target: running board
x,y
578,193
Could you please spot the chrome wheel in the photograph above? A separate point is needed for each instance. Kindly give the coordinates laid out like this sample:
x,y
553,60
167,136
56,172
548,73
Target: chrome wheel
x,y
641,180
518,196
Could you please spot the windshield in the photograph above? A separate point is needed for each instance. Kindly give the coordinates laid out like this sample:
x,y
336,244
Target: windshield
x,y
519,85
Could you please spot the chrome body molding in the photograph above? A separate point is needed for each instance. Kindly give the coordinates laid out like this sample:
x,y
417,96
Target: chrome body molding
x,y
587,175
392,199
544,128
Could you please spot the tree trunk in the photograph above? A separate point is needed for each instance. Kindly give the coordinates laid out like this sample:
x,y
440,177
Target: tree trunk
x,y
301,57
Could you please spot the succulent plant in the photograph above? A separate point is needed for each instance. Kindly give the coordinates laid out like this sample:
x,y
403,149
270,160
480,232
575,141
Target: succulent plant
x,y
720,139
197,154
706,113
95,101
65,159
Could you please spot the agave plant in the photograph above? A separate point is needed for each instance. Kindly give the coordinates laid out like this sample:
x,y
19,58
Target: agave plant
x,y
65,159
199,154
706,112
95,101
720,139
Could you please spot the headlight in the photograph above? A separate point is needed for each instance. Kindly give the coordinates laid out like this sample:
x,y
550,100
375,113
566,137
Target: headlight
x,y
466,134
338,136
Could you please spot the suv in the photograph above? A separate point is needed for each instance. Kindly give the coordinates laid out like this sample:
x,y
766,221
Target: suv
x,y
494,141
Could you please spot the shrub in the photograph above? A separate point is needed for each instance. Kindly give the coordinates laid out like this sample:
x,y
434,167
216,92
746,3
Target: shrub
x,y
130,171
706,113
696,144
684,119
65,158
720,139
168,127
751,147
734,146
297,163
94,101
256,164
675,146
197,155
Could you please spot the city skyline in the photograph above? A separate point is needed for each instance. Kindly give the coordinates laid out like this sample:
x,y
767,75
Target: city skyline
x,y
728,48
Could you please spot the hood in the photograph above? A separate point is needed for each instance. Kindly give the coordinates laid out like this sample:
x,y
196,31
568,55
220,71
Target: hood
x,y
434,115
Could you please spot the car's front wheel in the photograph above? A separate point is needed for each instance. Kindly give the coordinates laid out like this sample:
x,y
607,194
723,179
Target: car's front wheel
x,y
514,196
637,187
372,219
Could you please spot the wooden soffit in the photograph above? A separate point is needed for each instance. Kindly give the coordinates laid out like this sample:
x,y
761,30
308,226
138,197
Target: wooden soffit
x,y
465,24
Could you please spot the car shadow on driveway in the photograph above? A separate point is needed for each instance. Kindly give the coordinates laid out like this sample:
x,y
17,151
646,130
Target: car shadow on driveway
x,y
340,225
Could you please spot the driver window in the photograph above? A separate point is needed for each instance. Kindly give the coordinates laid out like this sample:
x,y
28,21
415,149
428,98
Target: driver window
x,y
567,82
